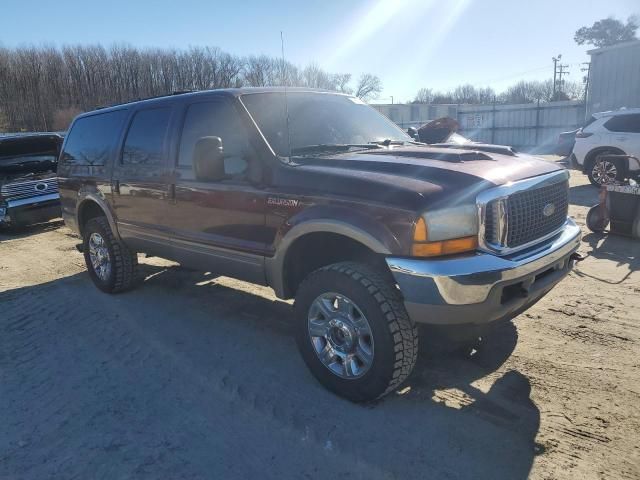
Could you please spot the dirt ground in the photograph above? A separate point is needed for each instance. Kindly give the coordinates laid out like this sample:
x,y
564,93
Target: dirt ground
x,y
193,376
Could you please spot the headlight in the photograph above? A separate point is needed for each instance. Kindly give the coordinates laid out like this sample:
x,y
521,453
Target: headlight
x,y
446,231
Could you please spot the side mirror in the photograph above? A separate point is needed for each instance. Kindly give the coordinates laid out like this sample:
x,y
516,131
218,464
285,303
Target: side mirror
x,y
413,133
208,159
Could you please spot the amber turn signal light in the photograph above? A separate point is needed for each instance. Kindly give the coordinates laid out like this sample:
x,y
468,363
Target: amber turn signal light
x,y
420,232
445,247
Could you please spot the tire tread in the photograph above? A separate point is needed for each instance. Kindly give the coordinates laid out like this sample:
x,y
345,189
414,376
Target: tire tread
x,y
403,331
125,262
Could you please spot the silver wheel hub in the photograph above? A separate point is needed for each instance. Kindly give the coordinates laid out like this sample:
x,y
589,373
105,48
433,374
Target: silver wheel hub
x,y
99,256
604,172
340,335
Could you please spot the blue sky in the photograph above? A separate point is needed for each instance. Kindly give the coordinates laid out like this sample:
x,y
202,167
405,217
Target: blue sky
x,y
409,44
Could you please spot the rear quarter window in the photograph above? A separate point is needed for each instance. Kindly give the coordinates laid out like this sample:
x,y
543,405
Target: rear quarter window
x,y
629,123
92,139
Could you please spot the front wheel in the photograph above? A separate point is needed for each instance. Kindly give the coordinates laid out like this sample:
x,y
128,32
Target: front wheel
x,y
353,331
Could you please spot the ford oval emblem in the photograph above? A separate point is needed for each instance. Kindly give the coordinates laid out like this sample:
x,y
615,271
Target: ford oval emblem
x,y
41,187
549,209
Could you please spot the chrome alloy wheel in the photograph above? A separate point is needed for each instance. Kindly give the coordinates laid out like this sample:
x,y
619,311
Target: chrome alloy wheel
x,y
604,172
99,255
341,335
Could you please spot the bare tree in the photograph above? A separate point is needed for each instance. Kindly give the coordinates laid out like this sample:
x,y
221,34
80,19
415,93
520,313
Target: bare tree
x,y
424,95
42,88
369,87
340,82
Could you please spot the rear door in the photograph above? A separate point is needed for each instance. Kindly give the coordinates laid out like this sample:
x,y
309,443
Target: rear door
x,y
624,133
141,177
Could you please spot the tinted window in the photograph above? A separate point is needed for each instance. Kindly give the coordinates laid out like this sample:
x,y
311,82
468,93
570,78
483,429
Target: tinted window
x,y
145,139
92,139
624,123
215,119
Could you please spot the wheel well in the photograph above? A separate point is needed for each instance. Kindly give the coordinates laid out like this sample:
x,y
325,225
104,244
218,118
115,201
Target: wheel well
x,y
316,250
591,156
88,210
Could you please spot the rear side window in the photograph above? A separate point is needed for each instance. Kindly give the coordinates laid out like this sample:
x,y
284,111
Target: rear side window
x,y
629,123
92,139
145,140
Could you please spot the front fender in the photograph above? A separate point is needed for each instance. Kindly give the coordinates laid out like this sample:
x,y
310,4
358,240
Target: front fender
x,y
361,228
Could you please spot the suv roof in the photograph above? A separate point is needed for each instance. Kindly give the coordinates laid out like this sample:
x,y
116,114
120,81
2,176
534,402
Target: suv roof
x,y
612,113
232,92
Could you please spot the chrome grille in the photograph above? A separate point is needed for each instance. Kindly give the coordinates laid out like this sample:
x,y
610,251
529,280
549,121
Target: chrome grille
x,y
522,217
526,213
28,189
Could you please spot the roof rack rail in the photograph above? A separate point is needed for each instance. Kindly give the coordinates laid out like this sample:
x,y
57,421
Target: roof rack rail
x,y
176,92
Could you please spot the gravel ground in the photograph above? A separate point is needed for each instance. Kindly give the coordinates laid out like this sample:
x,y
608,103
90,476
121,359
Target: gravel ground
x,y
197,376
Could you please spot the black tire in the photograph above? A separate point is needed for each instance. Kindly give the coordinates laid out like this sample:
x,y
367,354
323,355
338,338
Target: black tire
x,y
620,171
394,334
596,219
124,262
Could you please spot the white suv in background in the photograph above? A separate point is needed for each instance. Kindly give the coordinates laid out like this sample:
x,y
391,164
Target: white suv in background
x,y
608,133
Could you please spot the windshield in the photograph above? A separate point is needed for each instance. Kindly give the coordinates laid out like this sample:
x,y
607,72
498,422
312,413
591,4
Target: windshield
x,y
34,163
318,119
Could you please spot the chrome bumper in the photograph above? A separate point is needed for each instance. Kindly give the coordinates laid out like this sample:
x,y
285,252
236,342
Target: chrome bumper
x,y
482,287
27,210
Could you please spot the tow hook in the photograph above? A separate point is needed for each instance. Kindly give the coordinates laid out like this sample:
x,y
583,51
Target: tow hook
x,y
577,257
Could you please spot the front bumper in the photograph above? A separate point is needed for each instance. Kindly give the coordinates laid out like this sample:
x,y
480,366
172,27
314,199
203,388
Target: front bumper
x,y
30,210
483,288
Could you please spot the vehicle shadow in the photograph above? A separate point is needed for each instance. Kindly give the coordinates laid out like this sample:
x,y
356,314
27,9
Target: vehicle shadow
x,y
620,250
7,233
205,342
583,195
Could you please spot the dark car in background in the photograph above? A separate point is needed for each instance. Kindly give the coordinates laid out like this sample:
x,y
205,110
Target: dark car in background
x,y
28,184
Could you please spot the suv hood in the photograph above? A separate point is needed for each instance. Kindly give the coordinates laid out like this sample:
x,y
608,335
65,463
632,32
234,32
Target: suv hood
x,y
414,176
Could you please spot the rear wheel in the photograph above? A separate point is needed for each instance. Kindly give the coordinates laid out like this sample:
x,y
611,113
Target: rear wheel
x,y
353,331
604,171
111,265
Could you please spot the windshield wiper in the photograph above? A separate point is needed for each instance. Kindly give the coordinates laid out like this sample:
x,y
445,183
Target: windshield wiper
x,y
386,142
331,147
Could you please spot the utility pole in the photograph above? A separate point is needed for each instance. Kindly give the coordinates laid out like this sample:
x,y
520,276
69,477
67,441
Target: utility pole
x,y
558,71
586,79
555,71
562,70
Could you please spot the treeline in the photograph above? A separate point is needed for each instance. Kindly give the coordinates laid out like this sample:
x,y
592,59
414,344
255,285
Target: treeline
x,y
521,92
43,88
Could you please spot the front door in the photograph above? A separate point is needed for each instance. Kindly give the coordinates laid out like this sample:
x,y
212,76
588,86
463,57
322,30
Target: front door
x,y
218,225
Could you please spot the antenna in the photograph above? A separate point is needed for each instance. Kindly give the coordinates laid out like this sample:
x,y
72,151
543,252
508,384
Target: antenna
x,y
286,101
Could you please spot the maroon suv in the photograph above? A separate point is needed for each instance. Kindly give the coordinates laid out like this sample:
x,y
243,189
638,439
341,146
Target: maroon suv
x,y
326,201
